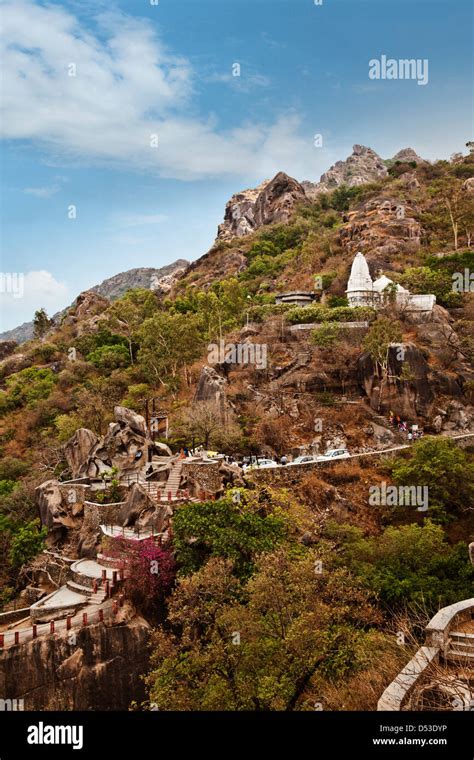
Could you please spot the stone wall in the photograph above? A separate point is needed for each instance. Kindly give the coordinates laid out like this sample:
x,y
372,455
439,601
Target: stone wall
x,y
97,669
203,476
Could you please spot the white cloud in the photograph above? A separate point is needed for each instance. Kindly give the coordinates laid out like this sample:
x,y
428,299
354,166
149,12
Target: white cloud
x,y
21,294
42,192
127,87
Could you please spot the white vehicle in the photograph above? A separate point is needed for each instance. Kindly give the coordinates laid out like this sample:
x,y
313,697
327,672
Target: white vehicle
x,y
334,454
304,459
260,465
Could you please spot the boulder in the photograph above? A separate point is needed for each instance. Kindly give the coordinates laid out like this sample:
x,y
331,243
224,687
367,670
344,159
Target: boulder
x,y
136,502
211,386
410,398
60,506
128,417
78,451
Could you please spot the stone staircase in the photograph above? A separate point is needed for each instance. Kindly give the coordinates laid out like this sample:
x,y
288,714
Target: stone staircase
x,y
174,479
461,647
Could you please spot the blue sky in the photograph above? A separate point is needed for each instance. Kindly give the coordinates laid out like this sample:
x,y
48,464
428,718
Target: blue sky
x,y
166,70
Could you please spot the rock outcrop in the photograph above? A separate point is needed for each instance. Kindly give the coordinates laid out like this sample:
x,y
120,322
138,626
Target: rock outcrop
x,y
97,668
408,155
60,506
124,446
411,398
211,386
362,166
269,203
382,227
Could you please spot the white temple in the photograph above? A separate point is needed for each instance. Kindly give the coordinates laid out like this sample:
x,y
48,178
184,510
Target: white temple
x,y
363,291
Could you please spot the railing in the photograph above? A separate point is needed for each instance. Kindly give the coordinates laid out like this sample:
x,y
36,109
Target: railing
x,y
82,619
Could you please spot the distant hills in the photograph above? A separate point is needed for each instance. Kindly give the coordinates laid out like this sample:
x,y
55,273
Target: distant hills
x,y
112,288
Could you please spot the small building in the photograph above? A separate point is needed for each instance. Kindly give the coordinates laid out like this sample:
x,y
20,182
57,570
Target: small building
x,y
296,297
363,291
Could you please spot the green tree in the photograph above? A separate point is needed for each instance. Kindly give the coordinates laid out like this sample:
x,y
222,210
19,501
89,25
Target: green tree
x,y
128,314
109,357
444,468
168,343
221,528
381,335
41,323
427,280
260,646
406,566
451,197
26,543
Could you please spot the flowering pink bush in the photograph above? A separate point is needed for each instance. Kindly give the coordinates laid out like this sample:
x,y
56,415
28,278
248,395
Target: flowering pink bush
x,y
149,569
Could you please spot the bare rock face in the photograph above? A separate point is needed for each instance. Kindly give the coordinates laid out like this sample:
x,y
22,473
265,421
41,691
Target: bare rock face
x,y
362,166
211,386
239,214
412,398
382,227
78,451
270,202
125,446
468,186
60,507
276,202
137,504
127,417
100,671
85,312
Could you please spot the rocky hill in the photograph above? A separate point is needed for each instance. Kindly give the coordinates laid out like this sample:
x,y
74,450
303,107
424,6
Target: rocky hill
x,y
234,370
273,200
159,280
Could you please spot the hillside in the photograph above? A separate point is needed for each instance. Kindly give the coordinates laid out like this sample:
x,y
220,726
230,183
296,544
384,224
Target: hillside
x,y
238,369
113,288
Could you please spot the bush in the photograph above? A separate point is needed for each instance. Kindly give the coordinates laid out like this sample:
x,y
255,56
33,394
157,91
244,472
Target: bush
x,y
408,565
109,357
26,543
445,469
326,335
29,385
308,314
223,529
12,468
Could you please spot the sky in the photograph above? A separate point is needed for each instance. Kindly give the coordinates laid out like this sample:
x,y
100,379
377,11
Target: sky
x,y
125,128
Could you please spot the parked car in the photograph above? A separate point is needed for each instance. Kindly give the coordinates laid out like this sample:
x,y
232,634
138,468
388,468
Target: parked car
x,y
334,454
304,459
260,464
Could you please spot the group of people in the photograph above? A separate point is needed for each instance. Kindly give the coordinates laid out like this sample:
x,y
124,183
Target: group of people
x,y
412,433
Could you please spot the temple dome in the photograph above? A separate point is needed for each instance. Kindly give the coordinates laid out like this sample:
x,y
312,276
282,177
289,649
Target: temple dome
x,y
360,279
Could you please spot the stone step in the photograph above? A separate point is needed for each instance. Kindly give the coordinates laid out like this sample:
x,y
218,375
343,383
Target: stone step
x,y
461,645
84,590
455,654
461,636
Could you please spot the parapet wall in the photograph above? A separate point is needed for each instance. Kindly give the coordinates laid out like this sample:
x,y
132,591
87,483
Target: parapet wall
x,y
397,694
